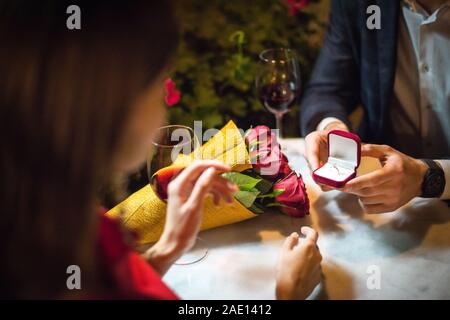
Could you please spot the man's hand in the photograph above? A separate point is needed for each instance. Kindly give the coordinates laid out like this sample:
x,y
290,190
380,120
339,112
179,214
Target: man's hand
x,y
316,147
299,269
392,186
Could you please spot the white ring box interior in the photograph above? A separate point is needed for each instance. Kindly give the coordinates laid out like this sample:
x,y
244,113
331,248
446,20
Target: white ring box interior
x,y
344,153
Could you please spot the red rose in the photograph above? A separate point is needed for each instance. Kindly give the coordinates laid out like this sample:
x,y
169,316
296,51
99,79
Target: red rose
x,y
285,169
294,196
270,163
265,153
260,137
172,94
294,6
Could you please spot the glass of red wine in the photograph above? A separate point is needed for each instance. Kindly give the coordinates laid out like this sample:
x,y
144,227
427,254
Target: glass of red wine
x,y
278,82
171,143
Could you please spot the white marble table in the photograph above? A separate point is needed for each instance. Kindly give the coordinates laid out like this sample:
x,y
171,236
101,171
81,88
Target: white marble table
x,y
409,249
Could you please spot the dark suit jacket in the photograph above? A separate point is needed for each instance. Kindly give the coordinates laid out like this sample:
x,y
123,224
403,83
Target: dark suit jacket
x,y
355,66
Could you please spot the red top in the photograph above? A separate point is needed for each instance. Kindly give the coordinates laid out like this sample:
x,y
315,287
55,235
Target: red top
x,y
129,275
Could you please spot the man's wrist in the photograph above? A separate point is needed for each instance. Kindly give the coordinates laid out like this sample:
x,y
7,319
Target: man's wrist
x,y
332,123
337,125
422,171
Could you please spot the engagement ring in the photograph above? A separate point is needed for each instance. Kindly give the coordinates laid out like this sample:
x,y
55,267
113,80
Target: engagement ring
x,y
337,170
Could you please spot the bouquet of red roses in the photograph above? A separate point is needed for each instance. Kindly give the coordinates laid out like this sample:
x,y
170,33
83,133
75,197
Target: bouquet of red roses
x,y
270,183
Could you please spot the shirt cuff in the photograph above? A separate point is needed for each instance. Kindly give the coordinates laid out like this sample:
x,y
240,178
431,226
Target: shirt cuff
x,y
445,164
326,121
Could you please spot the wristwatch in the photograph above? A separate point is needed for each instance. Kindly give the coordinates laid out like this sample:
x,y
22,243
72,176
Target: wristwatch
x,y
433,183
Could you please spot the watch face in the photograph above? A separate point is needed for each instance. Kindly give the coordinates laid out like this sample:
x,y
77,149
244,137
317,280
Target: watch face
x,y
435,185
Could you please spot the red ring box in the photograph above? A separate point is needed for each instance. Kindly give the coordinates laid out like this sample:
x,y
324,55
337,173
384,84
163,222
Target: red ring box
x,y
344,157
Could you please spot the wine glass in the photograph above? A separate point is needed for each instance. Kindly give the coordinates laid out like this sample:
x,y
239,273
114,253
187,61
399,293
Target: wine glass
x,y
171,143
278,82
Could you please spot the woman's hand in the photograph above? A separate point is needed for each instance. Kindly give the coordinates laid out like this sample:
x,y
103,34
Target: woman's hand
x,y
186,198
299,270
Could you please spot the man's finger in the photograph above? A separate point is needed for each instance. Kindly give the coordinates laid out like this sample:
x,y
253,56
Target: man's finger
x,y
376,208
370,192
312,155
310,233
371,200
326,188
368,180
374,150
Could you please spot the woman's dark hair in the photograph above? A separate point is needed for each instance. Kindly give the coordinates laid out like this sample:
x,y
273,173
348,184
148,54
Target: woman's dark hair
x,y
65,97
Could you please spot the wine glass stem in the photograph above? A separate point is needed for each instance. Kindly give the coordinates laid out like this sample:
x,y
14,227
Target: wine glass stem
x,y
279,121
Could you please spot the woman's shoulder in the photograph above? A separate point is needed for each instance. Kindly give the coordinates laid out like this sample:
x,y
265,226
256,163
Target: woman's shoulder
x,y
114,240
130,275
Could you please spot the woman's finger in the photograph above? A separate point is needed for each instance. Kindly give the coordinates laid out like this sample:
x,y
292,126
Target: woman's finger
x,y
222,190
201,189
193,171
316,277
310,233
227,183
225,187
291,241
216,198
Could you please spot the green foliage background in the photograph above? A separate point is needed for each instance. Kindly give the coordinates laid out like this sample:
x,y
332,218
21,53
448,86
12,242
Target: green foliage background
x,y
215,75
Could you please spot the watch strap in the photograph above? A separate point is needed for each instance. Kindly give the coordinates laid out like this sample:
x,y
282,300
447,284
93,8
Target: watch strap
x,y
431,164
433,168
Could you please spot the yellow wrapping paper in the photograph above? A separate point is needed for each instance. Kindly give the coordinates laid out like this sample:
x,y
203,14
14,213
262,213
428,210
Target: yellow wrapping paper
x,y
144,213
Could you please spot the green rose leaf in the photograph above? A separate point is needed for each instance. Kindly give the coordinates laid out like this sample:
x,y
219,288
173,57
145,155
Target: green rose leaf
x,y
256,209
244,182
264,186
276,204
246,198
273,194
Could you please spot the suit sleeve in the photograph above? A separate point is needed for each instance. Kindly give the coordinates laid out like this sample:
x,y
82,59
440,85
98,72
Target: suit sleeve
x,y
333,90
